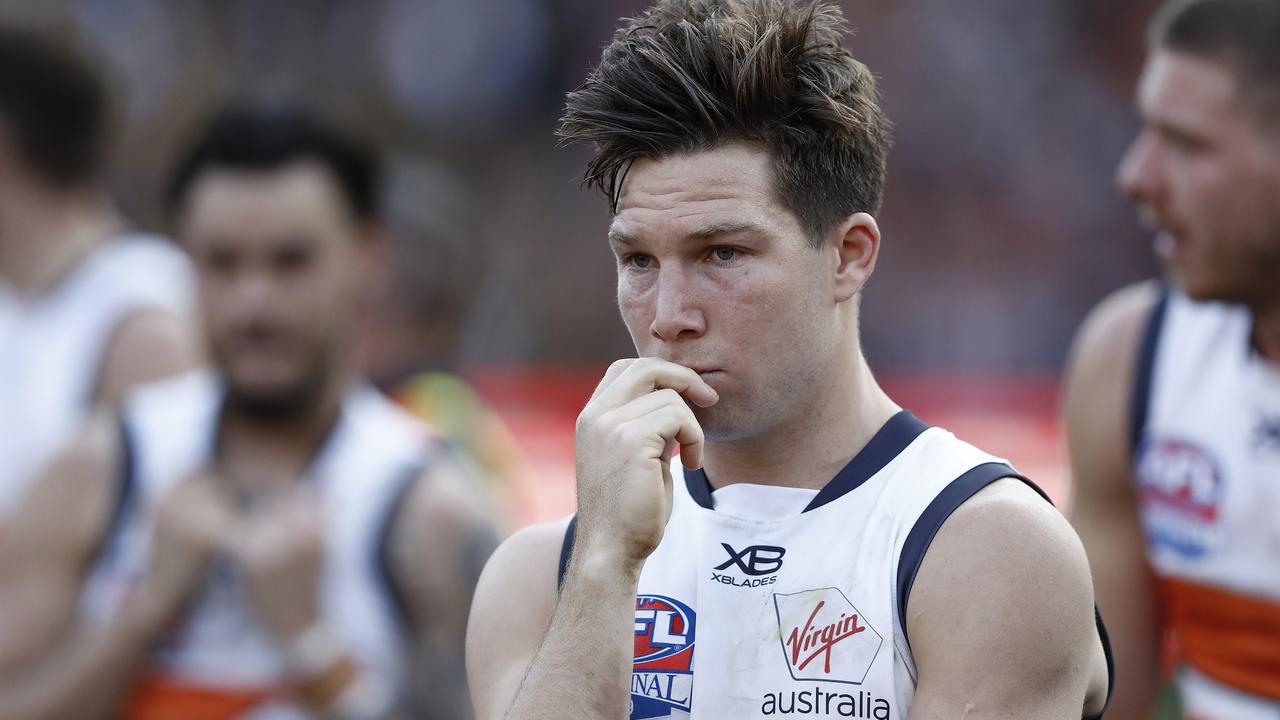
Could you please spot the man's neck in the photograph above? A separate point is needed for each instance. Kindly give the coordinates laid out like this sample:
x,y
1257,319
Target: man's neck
x,y
265,456
46,239
810,449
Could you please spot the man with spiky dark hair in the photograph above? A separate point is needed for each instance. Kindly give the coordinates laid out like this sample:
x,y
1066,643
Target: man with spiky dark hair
x,y
816,550
1173,391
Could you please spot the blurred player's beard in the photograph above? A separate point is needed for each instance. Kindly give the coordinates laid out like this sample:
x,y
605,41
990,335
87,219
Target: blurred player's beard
x,y
287,402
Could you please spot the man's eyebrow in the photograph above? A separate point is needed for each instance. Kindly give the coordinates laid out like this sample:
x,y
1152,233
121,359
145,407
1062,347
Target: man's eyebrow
x,y
620,237
725,228
703,233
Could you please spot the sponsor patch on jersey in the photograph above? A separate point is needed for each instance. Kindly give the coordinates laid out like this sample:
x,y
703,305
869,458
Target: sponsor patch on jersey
x,y
760,563
1181,488
824,637
662,678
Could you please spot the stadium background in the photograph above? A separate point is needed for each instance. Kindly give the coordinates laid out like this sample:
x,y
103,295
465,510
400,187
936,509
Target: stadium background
x,y
1002,225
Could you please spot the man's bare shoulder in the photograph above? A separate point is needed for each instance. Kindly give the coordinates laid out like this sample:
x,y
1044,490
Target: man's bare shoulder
x,y
1112,330
147,345
1099,390
513,606
532,554
1005,585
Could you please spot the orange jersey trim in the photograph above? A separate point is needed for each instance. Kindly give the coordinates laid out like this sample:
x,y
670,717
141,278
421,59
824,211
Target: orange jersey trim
x,y
158,697
1232,638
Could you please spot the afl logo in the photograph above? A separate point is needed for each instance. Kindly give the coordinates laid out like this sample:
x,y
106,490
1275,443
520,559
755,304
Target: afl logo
x,y
664,629
1181,488
662,678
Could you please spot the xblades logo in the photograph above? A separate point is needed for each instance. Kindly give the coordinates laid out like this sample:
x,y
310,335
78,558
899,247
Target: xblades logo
x,y
756,560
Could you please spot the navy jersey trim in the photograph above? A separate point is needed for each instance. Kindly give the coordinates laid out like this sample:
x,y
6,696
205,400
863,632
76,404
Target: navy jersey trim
x,y
126,489
699,487
893,437
566,551
922,533
384,567
889,441
1111,662
1145,369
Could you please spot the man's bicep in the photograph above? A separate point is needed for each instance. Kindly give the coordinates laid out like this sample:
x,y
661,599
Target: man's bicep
x,y
513,606
1000,618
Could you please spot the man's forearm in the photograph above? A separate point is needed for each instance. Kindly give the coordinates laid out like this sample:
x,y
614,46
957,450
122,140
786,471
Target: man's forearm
x,y
86,678
583,667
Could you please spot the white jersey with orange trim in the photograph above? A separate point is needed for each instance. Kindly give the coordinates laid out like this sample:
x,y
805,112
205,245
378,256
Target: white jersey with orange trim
x,y
1207,467
775,601
219,656
52,346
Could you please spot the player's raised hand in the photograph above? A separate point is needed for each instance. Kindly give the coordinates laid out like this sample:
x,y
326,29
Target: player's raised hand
x,y
190,524
626,436
280,547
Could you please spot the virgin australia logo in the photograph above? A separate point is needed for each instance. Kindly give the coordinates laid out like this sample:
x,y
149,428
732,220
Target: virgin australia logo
x,y
824,637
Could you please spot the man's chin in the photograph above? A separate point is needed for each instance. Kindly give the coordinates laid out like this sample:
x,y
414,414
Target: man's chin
x,y
721,426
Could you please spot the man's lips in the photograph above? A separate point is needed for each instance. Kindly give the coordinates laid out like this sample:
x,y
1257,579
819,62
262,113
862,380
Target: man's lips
x,y
708,374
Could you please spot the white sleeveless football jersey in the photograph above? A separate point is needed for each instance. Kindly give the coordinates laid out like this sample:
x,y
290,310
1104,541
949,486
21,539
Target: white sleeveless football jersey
x,y
219,651
768,602
1207,467
51,346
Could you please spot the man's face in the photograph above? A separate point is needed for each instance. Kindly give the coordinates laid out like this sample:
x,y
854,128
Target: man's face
x,y
716,275
276,255
1205,172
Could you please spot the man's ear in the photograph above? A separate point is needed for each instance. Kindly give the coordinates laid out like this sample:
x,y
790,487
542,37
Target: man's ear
x,y
855,243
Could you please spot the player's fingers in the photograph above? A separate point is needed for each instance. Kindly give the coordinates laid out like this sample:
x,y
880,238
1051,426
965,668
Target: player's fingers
x,y
648,374
672,423
615,369
644,405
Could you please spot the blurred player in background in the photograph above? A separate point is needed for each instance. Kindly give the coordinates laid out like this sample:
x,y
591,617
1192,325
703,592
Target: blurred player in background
x,y
269,539
87,307
816,549
1173,394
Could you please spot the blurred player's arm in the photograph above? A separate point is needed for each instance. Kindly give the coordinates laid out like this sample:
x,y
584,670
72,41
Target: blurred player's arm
x,y
1099,391
1000,617
513,607
147,345
444,533
52,665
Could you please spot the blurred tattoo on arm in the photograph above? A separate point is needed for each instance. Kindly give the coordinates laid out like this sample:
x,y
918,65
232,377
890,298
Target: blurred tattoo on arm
x,y
443,538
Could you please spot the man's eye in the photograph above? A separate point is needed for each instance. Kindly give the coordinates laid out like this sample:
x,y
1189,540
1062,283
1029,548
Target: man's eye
x,y
640,261
725,254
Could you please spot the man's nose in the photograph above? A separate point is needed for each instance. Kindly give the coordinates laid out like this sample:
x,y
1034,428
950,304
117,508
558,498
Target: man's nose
x,y
1138,175
677,314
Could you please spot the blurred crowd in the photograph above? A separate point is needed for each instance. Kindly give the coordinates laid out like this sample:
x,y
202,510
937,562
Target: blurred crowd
x,y
1002,225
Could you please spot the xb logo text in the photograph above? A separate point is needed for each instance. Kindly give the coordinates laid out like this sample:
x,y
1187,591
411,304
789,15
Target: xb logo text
x,y
756,560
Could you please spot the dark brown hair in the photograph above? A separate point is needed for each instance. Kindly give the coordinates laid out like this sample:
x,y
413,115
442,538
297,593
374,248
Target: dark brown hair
x,y
691,75
54,106
1243,34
